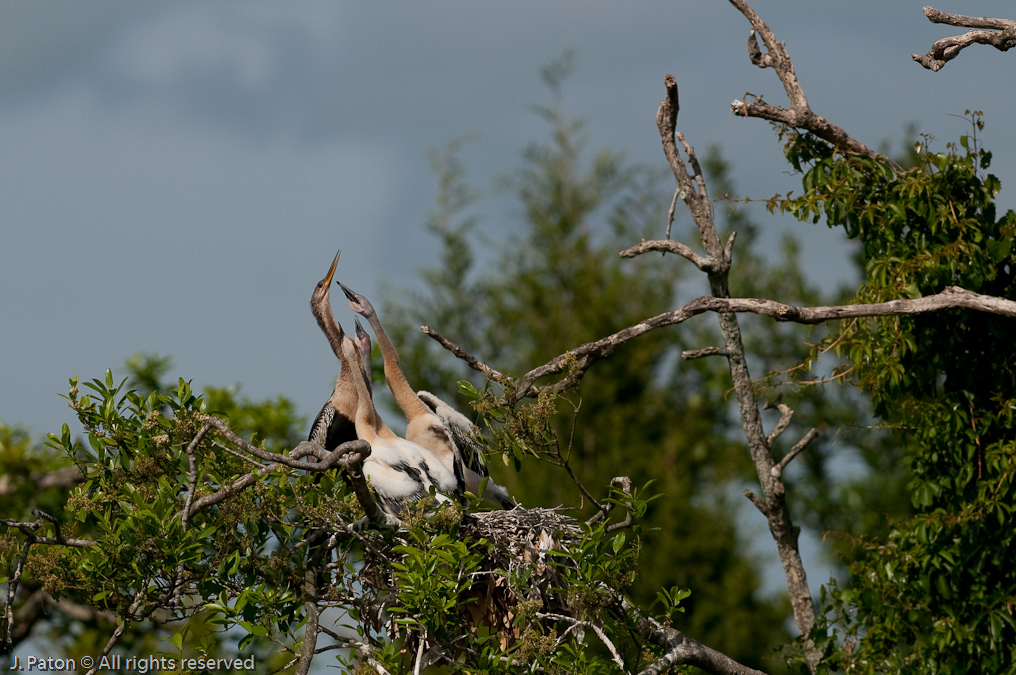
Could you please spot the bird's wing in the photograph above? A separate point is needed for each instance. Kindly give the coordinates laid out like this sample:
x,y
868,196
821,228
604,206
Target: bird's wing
x,y
461,430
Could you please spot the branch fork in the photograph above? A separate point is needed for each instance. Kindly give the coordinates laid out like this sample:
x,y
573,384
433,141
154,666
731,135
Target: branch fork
x,y
998,33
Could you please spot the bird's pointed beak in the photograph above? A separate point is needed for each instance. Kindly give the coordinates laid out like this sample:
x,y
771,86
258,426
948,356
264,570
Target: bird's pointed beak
x,y
360,332
357,302
331,270
353,297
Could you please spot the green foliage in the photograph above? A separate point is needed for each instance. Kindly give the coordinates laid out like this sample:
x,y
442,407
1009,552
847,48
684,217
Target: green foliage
x,y
137,479
123,484
936,594
232,578
273,421
643,413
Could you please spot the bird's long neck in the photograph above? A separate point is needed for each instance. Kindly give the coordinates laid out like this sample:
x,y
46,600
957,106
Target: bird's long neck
x,y
406,398
344,398
366,416
326,322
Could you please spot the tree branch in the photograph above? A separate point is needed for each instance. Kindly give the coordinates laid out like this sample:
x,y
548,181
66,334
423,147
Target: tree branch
x,y
29,530
785,414
718,270
999,33
759,504
667,246
777,470
349,455
12,589
584,356
192,472
576,623
315,561
691,354
800,114
131,613
682,650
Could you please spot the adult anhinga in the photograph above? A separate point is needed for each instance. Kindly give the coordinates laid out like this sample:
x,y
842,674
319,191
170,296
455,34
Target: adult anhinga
x,y
333,426
425,426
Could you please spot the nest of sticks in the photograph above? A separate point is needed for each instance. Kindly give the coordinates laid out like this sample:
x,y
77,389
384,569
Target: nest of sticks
x,y
519,537
520,573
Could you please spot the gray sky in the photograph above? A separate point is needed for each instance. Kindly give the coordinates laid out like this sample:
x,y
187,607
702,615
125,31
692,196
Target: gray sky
x,y
176,176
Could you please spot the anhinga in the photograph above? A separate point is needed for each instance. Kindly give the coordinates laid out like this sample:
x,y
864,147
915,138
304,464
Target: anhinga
x,y
463,434
399,471
425,426
333,426
363,346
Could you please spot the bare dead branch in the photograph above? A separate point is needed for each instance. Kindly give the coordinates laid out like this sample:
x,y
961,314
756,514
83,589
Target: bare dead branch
x,y
588,354
688,189
461,353
670,212
784,533
728,250
691,354
800,114
667,246
475,363
584,356
700,181
777,470
998,33
759,504
785,414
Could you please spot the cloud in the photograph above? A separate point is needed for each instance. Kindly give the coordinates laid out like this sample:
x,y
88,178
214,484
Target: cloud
x,y
47,45
254,67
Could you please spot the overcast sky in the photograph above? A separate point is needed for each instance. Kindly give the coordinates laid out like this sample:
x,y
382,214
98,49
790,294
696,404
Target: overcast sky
x,y
176,176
